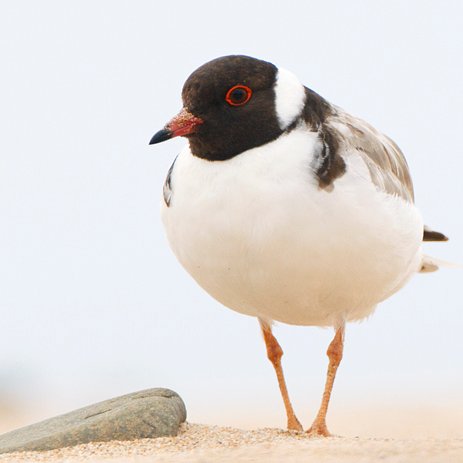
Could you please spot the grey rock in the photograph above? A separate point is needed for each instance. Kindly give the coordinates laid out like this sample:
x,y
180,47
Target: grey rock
x,y
145,414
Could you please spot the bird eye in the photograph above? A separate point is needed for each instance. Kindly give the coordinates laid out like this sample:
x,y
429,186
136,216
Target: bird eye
x,y
238,95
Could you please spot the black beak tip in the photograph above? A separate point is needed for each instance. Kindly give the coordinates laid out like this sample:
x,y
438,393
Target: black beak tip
x,y
161,136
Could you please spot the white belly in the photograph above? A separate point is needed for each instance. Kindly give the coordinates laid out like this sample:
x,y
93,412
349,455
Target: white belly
x,y
258,234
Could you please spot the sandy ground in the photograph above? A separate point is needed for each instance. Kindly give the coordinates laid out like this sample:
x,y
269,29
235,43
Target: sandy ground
x,y
214,444
389,434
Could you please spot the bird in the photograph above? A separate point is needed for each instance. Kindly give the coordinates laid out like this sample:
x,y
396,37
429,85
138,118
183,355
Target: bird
x,y
285,207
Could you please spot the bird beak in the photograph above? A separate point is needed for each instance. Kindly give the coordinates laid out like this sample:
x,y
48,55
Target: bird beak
x,y
183,124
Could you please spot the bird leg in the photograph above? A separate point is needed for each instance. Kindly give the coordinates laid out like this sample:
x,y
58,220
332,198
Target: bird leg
x,y
334,353
274,354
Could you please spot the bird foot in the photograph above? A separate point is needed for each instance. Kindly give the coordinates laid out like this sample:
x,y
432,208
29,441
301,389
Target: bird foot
x,y
294,425
318,430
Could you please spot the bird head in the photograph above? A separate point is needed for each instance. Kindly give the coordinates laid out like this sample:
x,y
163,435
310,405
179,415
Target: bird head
x,y
232,104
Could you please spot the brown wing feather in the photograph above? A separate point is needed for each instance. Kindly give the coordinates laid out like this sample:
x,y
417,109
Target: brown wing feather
x,y
384,159
431,235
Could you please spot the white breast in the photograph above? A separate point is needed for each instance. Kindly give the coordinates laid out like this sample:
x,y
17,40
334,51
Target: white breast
x,y
259,235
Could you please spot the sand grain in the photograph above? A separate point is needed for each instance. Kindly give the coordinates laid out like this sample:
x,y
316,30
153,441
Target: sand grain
x,y
213,444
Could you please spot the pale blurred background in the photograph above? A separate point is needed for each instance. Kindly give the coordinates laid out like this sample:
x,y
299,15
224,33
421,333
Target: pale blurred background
x,y
92,302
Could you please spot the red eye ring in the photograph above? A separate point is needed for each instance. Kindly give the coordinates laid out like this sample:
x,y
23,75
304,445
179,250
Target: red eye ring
x,y
238,95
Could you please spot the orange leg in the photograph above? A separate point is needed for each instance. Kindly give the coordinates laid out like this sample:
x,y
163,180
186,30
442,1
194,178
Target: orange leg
x,y
334,353
274,354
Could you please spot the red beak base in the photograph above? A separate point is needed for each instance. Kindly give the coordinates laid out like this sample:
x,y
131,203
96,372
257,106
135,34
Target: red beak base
x,y
183,124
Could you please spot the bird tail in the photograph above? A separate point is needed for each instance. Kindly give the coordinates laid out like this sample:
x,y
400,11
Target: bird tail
x,y
431,264
432,235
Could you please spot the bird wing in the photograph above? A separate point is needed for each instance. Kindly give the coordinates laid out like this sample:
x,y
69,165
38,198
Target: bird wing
x,y
167,188
383,158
